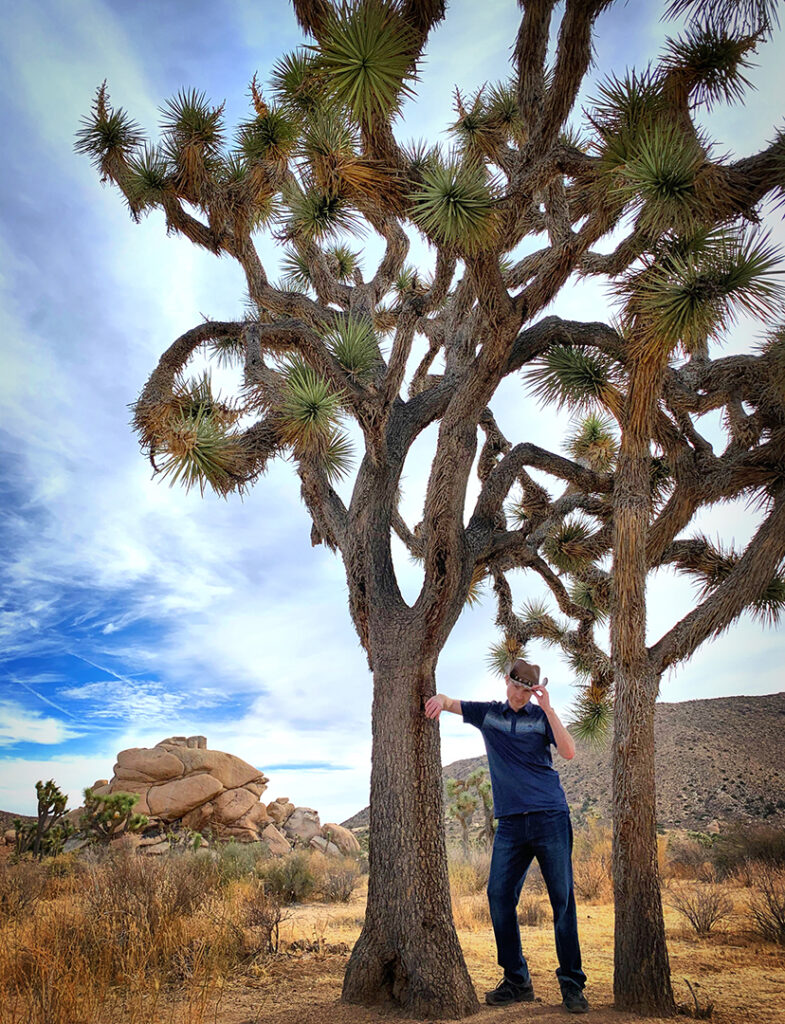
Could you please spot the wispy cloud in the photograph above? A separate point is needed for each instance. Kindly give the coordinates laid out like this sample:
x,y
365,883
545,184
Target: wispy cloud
x,y
21,725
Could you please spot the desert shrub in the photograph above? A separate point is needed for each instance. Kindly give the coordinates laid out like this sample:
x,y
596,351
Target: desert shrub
x,y
469,874
704,906
688,856
748,842
291,878
21,886
591,878
531,911
240,860
767,904
261,913
145,894
471,912
339,880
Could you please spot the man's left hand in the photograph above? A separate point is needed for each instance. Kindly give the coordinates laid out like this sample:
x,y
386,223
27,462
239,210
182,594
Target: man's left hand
x,y
541,693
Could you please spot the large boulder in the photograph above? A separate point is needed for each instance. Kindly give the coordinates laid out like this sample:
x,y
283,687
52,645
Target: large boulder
x,y
280,809
180,782
303,824
148,763
323,846
276,840
174,799
345,840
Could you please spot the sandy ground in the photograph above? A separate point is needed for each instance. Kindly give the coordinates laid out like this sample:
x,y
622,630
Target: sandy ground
x,y
742,977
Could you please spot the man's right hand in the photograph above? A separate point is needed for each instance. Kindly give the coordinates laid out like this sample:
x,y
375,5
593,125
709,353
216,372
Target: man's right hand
x,y
434,705
438,703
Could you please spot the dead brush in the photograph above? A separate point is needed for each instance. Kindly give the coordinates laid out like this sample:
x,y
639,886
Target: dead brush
x,y
471,912
591,878
339,880
22,885
469,874
703,905
531,911
767,903
262,915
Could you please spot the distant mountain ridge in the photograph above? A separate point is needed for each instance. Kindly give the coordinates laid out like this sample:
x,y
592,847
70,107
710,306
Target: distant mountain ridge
x,y
716,760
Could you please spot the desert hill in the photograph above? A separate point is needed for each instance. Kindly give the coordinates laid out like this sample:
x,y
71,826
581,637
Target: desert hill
x,y
716,760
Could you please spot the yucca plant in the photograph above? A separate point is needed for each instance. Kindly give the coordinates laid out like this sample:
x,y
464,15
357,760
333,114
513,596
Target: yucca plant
x,y
630,190
455,205
368,56
356,347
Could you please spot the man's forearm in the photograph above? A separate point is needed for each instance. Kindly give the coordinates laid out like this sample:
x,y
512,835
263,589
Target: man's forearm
x,y
450,704
565,744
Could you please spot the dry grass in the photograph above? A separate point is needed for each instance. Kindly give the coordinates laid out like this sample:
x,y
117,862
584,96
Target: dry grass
x,y
184,940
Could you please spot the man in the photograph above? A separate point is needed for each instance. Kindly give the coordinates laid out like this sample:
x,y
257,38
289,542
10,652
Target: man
x,y
534,821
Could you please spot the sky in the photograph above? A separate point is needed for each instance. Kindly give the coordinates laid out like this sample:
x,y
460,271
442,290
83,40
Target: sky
x,y
130,611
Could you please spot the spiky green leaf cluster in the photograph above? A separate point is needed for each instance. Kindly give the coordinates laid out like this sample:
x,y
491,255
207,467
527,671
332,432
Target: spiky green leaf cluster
x,y
690,297
315,214
593,442
337,458
309,408
187,119
148,179
109,137
737,16
271,135
295,269
455,205
568,545
539,621
199,450
659,178
591,597
621,108
503,654
342,262
356,347
591,717
713,60
367,56
573,377
297,83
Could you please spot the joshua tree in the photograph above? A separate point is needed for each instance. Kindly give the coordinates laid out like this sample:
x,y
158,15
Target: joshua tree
x,y
317,161
480,781
109,815
46,836
463,804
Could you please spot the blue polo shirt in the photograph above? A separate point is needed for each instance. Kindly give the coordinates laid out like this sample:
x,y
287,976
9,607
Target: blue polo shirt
x,y
519,756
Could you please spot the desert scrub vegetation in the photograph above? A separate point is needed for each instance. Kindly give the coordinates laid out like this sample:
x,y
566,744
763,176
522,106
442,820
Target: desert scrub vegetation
x,y
767,903
704,906
111,935
591,861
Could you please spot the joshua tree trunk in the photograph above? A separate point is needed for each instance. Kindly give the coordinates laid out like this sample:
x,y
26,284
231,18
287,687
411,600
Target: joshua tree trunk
x,y
641,969
408,951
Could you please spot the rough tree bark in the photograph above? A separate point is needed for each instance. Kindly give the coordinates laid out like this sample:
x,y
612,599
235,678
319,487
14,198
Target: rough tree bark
x,y
408,951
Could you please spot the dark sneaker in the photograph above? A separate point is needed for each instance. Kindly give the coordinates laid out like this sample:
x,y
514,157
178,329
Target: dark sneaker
x,y
507,992
574,1001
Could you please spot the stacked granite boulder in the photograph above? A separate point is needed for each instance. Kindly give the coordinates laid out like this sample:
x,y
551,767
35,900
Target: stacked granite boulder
x,y
183,784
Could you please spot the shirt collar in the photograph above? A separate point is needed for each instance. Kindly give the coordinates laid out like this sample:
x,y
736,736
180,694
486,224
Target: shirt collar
x,y
525,709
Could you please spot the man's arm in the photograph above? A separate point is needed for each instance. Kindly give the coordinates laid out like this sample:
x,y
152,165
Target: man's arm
x,y
565,744
438,703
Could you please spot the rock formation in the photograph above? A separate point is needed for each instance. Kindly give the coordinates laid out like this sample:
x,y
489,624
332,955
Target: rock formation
x,y
183,784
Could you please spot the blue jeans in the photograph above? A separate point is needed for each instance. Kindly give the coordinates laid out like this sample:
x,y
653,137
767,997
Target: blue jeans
x,y
546,835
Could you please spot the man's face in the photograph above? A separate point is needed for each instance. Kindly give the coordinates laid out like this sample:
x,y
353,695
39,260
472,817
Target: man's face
x,y
517,694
